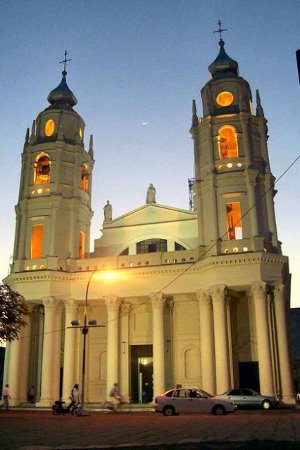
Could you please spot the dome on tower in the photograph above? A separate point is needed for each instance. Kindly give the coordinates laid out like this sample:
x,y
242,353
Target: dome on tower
x,y
62,96
223,66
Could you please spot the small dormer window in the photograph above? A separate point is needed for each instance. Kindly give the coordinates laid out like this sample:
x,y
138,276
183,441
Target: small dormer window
x,y
228,145
224,98
42,167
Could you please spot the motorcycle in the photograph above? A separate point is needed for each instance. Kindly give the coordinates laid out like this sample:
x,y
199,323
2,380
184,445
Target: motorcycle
x,y
59,408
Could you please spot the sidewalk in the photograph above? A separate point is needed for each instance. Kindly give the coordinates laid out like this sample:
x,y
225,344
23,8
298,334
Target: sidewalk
x,y
242,430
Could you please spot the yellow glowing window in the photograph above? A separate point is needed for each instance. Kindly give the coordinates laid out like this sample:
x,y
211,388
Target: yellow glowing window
x,y
36,241
49,127
227,140
84,184
234,220
42,169
224,99
81,244
80,133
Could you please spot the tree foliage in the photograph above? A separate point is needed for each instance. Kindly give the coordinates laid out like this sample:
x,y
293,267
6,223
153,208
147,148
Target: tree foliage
x,y
12,313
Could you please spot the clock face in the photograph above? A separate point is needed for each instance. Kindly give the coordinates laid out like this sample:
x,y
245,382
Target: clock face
x,y
49,127
224,98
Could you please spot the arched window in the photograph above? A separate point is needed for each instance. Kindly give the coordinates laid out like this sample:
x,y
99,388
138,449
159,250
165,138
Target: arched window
x,y
42,167
227,140
84,184
151,246
36,241
234,220
81,245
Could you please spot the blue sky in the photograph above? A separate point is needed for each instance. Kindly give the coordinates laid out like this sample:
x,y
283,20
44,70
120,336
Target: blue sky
x,y
144,61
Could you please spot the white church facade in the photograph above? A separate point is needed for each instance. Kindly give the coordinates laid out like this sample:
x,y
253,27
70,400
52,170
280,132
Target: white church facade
x,y
192,297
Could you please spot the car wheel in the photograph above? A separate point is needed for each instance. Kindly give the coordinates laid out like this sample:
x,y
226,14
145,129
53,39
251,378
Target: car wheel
x,y
218,410
266,404
168,411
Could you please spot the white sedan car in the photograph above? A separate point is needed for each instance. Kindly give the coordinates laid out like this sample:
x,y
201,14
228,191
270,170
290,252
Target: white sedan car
x,y
192,400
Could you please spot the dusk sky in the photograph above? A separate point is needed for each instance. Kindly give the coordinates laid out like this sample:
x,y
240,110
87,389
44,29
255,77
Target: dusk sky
x,y
136,66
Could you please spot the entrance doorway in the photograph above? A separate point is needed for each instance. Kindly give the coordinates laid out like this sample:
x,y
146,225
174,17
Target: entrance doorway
x,y
141,373
249,375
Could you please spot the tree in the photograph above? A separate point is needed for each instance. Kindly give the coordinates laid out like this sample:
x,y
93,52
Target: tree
x,y
12,312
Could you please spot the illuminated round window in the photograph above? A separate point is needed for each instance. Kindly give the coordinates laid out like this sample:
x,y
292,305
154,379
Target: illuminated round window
x,y
49,127
224,99
80,133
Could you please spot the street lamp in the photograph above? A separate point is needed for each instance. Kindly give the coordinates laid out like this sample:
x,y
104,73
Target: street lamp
x,y
85,329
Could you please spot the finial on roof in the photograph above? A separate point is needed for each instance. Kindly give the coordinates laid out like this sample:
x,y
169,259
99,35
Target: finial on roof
x,y
195,120
91,146
220,31
223,66
62,96
259,108
27,136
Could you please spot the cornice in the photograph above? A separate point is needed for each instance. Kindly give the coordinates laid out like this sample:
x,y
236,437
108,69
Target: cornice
x,y
212,262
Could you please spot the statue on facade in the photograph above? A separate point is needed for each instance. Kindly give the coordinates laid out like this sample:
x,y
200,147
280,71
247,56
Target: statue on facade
x,y
107,212
151,194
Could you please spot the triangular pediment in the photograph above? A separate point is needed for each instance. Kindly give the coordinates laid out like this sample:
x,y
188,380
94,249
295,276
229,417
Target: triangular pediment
x,y
150,214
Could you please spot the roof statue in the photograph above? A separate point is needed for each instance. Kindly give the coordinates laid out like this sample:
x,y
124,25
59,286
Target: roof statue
x,y
107,212
151,194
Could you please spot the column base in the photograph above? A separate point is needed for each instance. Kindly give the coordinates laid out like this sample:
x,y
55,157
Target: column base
x,y
289,400
45,402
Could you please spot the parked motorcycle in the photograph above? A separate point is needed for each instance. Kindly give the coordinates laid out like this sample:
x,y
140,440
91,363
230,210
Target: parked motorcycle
x,y
59,408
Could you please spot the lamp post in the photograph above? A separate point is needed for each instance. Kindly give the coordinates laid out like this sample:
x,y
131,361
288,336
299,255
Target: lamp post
x,y
85,329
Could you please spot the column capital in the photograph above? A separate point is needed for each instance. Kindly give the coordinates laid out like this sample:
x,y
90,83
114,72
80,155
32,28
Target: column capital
x,y
50,302
158,300
203,297
279,292
218,293
69,303
112,302
125,308
259,289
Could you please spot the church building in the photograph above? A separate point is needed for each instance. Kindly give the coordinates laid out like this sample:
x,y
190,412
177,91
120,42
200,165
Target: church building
x,y
167,296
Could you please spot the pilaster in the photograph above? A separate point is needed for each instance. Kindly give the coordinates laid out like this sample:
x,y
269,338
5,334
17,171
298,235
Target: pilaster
x,y
218,294
112,305
157,302
259,291
287,390
206,341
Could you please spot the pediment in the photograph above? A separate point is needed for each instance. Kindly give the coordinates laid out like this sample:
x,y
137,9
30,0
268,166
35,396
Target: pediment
x,y
151,214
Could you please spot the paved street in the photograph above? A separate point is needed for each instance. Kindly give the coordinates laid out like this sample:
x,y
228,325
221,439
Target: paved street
x,y
278,429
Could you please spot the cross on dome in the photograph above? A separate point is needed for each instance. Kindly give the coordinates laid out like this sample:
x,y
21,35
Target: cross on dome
x,y
64,62
220,30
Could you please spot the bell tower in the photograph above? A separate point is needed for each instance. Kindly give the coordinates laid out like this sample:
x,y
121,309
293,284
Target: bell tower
x,y
233,185
53,213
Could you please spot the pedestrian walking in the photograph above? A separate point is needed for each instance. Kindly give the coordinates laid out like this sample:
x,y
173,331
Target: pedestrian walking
x,y
74,397
115,394
6,396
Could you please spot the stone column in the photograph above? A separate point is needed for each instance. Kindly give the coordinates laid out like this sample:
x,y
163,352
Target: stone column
x,y
69,374
51,351
19,365
206,342
259,290
124,358
112,305
287,390
218,295
158,344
